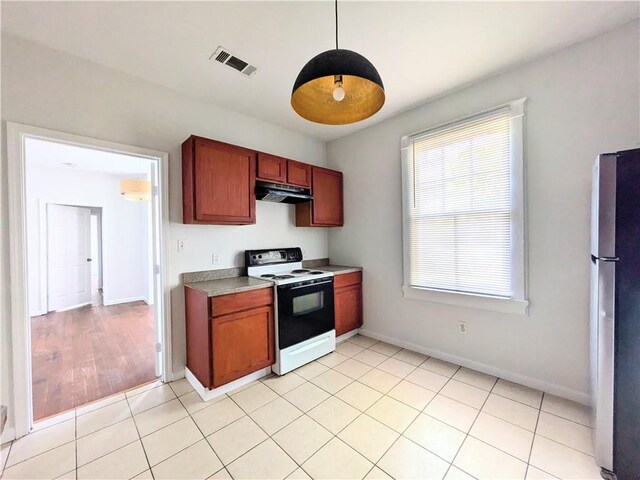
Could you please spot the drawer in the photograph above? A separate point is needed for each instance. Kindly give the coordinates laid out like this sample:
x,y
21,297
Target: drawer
x,y
236,302
345,279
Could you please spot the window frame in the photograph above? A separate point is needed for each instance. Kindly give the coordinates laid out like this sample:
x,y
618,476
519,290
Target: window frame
x,y
517,303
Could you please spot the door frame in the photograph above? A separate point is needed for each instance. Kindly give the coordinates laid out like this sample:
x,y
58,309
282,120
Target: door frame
x,y
17,133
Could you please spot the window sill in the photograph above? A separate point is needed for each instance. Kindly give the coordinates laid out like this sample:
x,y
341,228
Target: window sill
x,y
459,299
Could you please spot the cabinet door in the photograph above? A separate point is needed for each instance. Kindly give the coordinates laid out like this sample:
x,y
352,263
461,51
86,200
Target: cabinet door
x,y
325,210
243,343
224,180
298,174
348,308
272,168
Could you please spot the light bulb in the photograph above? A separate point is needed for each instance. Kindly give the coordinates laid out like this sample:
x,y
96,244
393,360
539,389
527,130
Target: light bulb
x,y
338,93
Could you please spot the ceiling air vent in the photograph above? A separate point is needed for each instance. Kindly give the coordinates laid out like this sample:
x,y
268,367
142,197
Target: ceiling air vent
x,y
225,57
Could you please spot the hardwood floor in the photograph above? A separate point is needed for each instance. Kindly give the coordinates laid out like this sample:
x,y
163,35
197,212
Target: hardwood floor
x,y
88,353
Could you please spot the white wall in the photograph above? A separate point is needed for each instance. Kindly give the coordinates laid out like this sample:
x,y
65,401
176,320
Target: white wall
x,y
54,90
582,100
125,241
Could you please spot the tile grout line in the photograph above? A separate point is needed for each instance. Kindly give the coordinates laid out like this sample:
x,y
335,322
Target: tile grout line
x,y
534,436
139,437
470,427
204,437
386,394
376,464
265,432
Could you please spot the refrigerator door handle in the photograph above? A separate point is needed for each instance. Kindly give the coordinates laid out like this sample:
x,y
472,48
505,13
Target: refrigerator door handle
x,y
605,363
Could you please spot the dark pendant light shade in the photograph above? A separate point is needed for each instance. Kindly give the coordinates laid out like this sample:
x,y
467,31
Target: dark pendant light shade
x,y
337,87
312,96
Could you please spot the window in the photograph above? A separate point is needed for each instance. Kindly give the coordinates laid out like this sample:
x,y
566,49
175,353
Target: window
x,y
464,209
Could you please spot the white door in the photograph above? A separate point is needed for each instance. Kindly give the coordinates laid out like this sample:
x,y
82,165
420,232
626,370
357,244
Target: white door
x,y
68,256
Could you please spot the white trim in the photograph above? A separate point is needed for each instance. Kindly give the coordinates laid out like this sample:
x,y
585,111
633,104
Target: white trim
x,y
48,422
21,342
348,335
42,253
117,301
207,394
462,299
72,307
575,395
518,304
20,336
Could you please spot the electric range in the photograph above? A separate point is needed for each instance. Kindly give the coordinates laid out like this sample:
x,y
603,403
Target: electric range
x,y
304,308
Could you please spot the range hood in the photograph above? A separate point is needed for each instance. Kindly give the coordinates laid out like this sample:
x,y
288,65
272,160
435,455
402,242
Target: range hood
x,y
275,192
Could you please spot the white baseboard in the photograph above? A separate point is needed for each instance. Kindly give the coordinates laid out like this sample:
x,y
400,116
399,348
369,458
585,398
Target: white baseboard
x,y
347,335
8,435
73,307
118,301
207,394
552,388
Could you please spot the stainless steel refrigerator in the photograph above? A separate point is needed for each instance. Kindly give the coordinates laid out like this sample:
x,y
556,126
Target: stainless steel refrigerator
x,y
615,313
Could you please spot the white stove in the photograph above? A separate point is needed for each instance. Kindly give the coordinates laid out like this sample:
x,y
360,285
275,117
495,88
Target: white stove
x,y
304,306
287,273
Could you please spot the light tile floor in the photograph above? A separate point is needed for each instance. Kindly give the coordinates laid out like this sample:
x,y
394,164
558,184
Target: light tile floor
x,y
369,410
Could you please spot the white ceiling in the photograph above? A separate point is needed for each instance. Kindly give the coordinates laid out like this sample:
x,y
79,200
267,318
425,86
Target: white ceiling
x,y
421,49
58,155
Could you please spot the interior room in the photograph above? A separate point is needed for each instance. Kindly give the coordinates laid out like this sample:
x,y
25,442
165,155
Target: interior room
x,y
331,239
90,285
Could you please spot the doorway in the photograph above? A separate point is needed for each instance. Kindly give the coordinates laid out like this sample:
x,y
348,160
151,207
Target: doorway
x,y
93,282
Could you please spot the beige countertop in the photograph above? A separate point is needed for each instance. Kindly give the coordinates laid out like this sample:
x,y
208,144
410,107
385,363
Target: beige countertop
x,y
225,286
234,284
339,269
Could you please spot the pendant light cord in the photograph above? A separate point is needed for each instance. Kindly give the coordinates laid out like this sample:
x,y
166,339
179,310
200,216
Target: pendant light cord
x,y
336,24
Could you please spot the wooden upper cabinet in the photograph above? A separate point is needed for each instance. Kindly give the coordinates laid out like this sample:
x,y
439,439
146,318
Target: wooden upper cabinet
x,y
218,182
298,174
272,168
326,209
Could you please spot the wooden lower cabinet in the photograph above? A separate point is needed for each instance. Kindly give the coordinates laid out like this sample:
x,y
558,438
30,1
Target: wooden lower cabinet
x,y
348,302
229,336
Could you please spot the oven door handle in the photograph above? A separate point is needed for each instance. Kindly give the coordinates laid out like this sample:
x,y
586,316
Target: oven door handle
x,y
310,285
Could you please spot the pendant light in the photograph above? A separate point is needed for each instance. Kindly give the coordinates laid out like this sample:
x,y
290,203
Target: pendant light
x,y
136,189
337,87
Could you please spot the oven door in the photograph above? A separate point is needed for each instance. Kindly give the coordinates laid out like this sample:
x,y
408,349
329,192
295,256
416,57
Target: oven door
x,y
304,311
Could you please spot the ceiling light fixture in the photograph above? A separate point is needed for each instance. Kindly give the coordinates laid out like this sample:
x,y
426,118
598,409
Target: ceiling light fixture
x,y
337,87
136,189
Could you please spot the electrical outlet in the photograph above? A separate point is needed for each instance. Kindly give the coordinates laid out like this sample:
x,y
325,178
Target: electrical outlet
x,y
180,245
462,327
215,258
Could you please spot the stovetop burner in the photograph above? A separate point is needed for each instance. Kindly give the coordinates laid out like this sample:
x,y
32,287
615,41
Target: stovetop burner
x,y
316,273
300,270
282,277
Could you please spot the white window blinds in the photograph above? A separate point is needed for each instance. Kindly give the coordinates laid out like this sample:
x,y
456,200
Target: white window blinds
x,y
458,205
